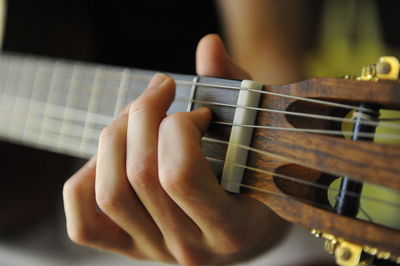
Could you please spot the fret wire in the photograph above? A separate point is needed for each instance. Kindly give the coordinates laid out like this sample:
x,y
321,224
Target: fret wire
x,y
70,147
74,114
15,87
46,79
122,92
33,127
6,85
32,94
51,97
111,91
93,104
135,90
46,120
33,119
69,102
192,93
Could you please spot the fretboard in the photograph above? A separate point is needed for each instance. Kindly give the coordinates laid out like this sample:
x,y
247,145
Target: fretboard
x,y
62,106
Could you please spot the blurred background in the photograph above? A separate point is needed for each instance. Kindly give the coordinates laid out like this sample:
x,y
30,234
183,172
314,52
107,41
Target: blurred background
x,y
276,41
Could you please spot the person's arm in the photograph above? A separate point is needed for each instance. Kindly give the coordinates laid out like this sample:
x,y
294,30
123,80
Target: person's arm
x,y
267,37
158,195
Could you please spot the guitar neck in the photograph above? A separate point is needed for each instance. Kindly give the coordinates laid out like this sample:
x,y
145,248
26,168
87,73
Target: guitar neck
x,y
62,106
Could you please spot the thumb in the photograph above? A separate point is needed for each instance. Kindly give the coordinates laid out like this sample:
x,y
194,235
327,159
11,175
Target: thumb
x,y
212,60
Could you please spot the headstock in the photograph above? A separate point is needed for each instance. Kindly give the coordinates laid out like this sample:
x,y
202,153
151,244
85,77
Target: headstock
x,y
299,167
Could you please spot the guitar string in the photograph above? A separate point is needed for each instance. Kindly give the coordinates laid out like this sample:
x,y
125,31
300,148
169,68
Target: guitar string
x,y
225,87
300,114
287,196
271,155
146,77
362,197
332,118
284,195
293,179
305,182
76,114
385,136
109,119
96,134
367,216
70,119
78,129
311,100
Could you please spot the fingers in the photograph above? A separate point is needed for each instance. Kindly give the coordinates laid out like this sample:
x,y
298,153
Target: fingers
x,y
117,199
145,116
213,60
83,221
186,175
158,192
228,222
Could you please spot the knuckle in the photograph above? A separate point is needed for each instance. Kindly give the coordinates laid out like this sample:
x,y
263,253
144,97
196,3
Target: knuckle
x,y
107,133
233,246
142,173
109,200
162,256
187,254
69,187
80,235
72,189
178,178
233,242
172,122
177,181
140,105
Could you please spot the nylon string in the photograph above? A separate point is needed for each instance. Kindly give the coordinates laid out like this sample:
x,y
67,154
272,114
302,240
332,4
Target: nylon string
x,y
145,77
52,134
77,115
73,114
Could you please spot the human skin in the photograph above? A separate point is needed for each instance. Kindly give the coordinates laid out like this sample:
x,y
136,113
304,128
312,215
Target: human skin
x,y
158,196
268,38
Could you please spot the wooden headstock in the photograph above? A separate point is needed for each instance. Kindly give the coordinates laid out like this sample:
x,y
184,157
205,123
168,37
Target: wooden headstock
x,y
320,159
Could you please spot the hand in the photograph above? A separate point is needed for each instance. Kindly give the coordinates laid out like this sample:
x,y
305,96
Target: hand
x,y
158,195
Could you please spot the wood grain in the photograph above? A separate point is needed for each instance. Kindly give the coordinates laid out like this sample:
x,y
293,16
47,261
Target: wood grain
x,y
368,162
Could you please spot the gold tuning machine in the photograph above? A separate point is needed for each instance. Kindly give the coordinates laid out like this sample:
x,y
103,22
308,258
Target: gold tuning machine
x,y
387,68
347,253
351,254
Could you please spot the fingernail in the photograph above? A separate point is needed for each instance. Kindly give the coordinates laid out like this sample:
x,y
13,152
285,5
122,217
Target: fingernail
x,y
157,80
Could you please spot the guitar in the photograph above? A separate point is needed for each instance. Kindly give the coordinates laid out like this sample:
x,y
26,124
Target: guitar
x,y
306,137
